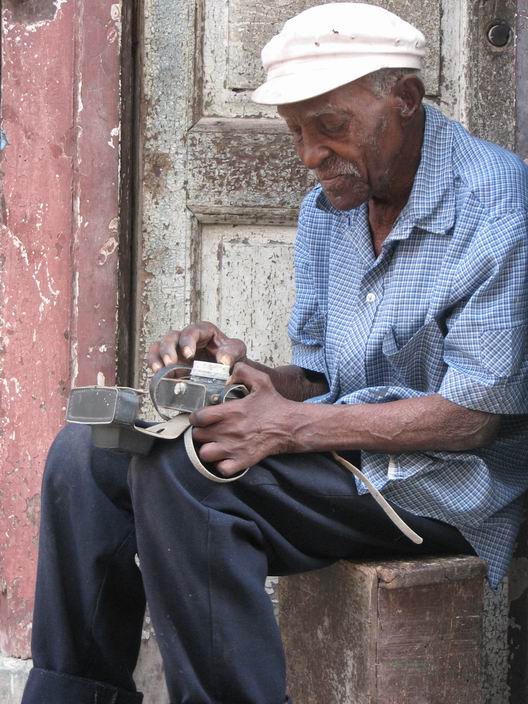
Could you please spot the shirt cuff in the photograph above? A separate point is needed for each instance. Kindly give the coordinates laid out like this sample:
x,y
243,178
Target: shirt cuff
x,y
510,398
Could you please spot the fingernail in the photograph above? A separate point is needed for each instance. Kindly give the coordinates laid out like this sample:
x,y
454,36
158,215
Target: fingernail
x,y
187,352
225,360
156,367
167,360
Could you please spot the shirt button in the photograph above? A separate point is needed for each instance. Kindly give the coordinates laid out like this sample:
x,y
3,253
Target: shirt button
x,y
371,297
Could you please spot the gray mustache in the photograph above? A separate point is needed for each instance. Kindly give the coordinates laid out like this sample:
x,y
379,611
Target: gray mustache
x,y
334,166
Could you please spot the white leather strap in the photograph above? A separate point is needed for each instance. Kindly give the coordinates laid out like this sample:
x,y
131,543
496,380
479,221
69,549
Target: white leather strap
x,y
193,456
173,428
169,429
380,500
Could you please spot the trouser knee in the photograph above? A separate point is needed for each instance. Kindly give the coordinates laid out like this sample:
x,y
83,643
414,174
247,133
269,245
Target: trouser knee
x,y
75,469
167,468
67,457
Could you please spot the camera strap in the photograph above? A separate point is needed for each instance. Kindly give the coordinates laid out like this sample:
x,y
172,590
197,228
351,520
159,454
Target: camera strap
x,y
379,499
178,425
173,428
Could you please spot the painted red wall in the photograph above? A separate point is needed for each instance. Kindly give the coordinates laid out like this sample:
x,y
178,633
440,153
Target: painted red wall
x,y
60,108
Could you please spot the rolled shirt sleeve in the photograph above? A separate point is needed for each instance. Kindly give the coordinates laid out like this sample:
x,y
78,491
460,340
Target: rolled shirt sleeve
x,y
486,348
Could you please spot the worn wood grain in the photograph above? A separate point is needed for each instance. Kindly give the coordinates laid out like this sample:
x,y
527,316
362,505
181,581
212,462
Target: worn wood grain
x,y
247,286
328,621
401,573
164,229
234,32
96,166
395,639
59,254
35,285
430,642
252,23
243,164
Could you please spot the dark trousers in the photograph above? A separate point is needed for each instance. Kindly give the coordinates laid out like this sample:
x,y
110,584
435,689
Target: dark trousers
x,y
205,550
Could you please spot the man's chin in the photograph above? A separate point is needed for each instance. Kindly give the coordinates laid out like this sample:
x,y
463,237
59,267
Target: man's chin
x,y
346,201
345,192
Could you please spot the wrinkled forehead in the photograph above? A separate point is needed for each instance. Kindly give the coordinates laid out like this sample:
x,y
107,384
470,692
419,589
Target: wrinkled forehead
x,y
341,100
303,112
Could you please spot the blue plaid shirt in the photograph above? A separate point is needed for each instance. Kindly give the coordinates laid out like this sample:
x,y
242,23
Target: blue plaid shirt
x,y
443,309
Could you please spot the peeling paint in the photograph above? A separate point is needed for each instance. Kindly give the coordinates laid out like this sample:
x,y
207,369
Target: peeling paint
x,y
115,12
74,349
12,387
32,14
48,280
50,50
80,105
77,209
115,32
115,132
107,250
21,248
4,142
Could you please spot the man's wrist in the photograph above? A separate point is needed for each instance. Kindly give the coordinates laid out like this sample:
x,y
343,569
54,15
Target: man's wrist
x,y
308,427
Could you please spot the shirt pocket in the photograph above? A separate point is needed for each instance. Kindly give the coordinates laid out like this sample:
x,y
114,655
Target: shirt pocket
x,y
419,363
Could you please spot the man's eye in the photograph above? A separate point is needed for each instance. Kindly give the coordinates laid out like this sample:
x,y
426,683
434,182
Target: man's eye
x,y
332,127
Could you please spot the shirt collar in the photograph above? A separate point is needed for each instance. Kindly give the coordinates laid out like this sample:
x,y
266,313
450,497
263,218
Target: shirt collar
x,y
431,205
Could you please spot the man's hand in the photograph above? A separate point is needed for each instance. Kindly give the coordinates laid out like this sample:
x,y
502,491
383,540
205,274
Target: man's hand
x,y
203,341
240,433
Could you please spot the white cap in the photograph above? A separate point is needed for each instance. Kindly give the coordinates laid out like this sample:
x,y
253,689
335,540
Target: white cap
x,y
330,45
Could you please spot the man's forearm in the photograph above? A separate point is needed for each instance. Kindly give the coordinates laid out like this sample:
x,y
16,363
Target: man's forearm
x,y
292,382
428,423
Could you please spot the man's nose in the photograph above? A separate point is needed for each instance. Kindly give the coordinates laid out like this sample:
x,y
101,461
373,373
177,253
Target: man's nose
x,y
313,151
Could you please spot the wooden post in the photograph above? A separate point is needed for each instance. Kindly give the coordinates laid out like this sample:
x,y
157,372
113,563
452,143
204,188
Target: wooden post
x,y
59,224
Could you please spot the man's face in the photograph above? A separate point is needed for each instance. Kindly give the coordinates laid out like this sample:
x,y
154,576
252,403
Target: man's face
x,y
351,139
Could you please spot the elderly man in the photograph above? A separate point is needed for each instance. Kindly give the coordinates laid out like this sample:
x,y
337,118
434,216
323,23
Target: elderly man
x,y
409,342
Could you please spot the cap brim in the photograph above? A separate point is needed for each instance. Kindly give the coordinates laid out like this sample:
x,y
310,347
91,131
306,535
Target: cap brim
x,y
302,85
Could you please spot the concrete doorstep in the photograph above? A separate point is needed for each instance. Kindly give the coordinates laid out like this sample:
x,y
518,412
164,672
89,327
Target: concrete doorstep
x,y
148,675
13,675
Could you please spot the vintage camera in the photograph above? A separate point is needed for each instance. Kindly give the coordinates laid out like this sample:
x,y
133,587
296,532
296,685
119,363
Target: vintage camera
x,y
205,386
112,411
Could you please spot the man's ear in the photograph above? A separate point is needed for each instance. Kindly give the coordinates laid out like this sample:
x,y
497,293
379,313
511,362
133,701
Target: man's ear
x,y
408,92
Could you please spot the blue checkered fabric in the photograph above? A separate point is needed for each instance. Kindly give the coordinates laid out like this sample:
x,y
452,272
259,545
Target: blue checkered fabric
x,y
443,309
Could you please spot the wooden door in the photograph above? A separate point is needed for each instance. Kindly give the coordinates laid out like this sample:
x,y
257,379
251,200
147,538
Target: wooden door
x,y
220,184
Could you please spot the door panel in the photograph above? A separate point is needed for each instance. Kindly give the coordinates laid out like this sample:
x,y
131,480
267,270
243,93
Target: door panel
x,y
247,285
243,170
242,27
